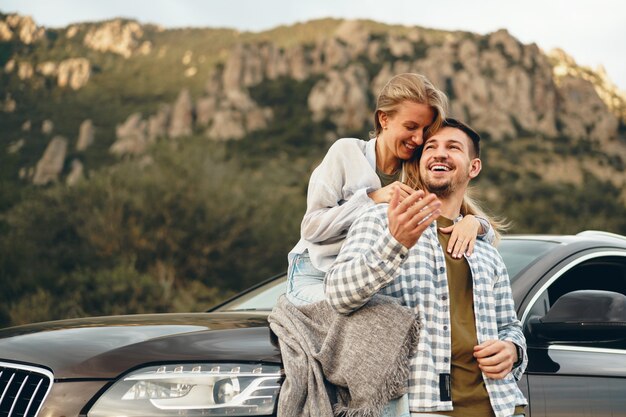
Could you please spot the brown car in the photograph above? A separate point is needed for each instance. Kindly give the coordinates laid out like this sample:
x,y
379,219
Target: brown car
x,y
570,293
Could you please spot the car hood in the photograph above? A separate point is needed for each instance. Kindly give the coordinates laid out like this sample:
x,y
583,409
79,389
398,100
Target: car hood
x,y
105,347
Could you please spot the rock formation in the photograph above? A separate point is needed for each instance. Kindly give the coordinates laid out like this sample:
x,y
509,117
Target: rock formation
x,y
76,173
22,28
501,86
47,68
74,72
131,136
9,104
507,90
181,123
6,34
47,126
158,123
235,114
86,135
583,113
9,66
342,97
51,164
14,147
115,36
25,70
565,66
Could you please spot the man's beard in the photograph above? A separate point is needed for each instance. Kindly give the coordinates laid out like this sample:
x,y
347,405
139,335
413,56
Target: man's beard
x,y
444,187
441,190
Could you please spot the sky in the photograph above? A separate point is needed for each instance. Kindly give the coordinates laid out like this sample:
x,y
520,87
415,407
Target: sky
x,y
593,32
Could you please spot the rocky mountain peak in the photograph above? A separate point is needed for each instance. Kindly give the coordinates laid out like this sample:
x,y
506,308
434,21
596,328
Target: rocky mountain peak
x,y
565,67
117,36
22,28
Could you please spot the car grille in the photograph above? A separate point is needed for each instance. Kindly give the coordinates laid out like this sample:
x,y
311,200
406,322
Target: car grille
x,y
22,389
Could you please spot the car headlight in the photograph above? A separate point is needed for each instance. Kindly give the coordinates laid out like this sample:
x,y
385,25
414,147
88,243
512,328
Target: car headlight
x,y
192,390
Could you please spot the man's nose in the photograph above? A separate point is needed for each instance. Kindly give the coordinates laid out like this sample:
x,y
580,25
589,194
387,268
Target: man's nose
x,y
440,152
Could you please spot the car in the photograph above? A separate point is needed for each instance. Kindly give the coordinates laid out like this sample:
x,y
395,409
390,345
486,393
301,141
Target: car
x,y
570,293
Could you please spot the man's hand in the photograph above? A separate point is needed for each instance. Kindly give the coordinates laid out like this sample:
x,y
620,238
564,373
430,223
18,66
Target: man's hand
x,y
384,195
496,358
408,219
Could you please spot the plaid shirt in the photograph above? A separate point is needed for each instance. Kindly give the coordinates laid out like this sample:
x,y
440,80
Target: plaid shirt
x,y
372,261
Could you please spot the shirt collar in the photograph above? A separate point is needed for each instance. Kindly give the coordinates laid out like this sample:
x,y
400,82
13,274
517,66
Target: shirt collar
x,y
370,153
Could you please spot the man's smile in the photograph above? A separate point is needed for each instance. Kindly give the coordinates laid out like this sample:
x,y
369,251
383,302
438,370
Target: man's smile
x,y
439,167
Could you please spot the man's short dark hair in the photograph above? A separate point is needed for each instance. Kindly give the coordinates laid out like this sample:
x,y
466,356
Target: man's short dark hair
x,y
473,135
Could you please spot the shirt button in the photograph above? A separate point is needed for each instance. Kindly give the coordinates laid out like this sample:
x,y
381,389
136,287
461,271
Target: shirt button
x,y
445,327
441,269
402,256
446,360
444,298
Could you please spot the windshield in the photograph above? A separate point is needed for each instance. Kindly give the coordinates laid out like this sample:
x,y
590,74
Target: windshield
x,y
517,254
262,298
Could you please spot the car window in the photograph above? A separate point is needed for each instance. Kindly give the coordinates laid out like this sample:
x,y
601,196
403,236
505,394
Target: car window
x,y
606,273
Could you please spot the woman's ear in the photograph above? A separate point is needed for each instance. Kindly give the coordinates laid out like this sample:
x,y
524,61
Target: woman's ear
x,y
382,119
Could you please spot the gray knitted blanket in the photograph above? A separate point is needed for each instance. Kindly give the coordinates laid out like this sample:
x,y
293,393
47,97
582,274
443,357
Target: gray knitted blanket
x,y
338,365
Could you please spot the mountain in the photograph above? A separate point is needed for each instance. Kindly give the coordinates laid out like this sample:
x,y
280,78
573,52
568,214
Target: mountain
x,y
150,119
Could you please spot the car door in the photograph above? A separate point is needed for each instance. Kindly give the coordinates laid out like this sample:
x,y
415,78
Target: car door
x,y
577,377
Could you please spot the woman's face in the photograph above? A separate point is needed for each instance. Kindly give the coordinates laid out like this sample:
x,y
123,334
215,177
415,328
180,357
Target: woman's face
x,y
404,131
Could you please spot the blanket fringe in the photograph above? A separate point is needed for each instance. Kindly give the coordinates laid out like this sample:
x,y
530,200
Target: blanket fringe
x,y
394,385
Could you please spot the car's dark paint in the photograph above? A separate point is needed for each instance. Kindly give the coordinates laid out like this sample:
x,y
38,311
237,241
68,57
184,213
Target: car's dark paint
x,y
70,398
86,355
576,383
105,347
570,378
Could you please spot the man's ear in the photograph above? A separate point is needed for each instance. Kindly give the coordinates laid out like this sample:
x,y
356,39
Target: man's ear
x,y
475,167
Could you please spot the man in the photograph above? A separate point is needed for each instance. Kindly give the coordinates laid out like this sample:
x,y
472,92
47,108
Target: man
x,y
471,347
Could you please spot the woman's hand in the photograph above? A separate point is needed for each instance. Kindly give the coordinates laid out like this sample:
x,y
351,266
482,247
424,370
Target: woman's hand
x,y
463,236
383,195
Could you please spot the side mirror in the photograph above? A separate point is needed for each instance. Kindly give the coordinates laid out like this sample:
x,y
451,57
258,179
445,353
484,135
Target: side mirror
x,y
583,316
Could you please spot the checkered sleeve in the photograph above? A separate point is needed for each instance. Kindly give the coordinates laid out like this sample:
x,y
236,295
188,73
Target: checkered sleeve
x,y
369,260
489,234
509,326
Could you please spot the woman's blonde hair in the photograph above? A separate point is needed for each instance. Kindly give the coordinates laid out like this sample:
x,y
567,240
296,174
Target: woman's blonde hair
x,y
471,206
410,87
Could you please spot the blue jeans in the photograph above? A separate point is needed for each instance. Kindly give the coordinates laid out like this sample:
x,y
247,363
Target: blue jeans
x,y
397,408
305,283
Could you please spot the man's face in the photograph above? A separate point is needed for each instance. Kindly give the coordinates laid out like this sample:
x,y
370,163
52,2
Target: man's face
x,y
447,163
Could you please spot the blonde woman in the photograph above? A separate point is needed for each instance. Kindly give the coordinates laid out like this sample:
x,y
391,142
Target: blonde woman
x,y
356,174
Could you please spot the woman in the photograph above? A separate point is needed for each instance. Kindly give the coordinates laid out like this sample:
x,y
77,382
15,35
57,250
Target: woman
x,y
357,174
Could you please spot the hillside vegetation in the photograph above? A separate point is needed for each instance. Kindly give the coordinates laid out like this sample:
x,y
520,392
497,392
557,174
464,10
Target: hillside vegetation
x,y
144,169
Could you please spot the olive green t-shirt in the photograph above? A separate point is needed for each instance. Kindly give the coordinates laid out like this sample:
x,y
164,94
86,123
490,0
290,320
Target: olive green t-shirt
x,y
386,179
469,394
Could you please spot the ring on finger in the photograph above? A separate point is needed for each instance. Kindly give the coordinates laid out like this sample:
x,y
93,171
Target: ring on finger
x,y
428,216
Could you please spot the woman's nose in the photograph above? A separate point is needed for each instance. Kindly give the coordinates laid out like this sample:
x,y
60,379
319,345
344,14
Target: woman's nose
x,y
418,138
